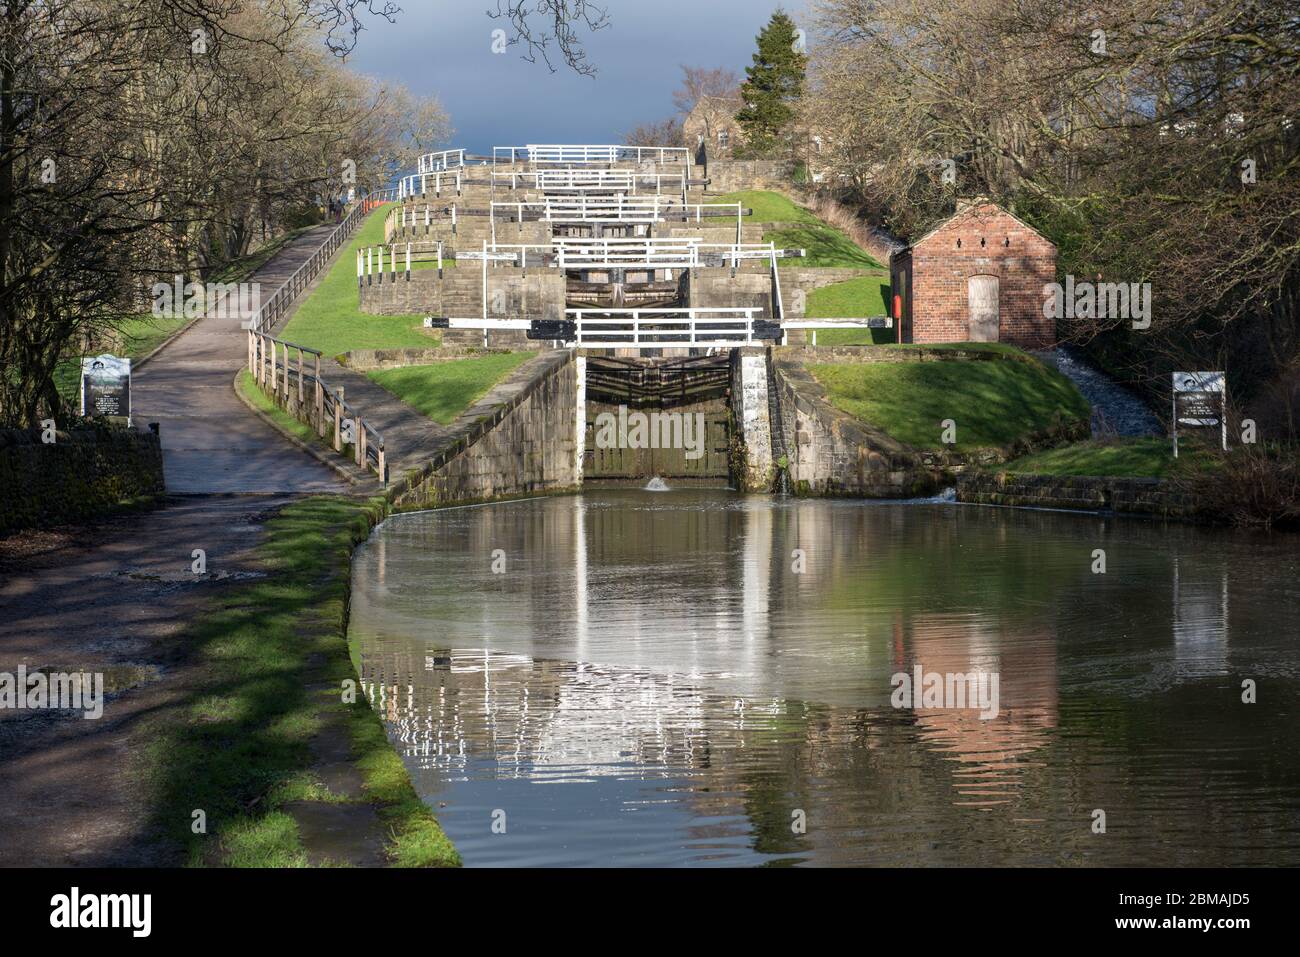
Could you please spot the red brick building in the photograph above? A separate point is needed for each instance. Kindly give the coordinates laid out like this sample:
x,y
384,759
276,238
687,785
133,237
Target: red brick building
x,y
977,277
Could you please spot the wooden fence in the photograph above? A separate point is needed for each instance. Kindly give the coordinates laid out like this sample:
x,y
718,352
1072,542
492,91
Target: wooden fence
x,y
307,397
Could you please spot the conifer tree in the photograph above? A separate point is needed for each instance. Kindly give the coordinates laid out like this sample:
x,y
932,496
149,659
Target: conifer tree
x,y
774,82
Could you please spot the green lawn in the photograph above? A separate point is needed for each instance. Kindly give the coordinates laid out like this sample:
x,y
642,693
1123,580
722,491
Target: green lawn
x,y
857,299
1146,457
767,206
269,658
799,229
992,402
330,320
445,389
824,246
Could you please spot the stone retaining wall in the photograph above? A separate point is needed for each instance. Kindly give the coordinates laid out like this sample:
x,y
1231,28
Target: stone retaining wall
x,y
501,449
831,453
79,476
1135,496
733,175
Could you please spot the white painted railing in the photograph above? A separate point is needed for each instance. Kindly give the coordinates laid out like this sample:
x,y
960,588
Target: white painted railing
x,y
605,180
636,208
422,184
437,162
579,154
394,259
663,328
632,252
409,216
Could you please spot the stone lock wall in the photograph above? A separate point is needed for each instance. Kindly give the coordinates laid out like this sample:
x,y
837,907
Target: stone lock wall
x,y
753,467
81,475
832,454
525,445
1132,496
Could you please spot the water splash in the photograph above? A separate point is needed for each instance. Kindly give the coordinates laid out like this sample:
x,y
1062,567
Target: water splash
x,y
656,484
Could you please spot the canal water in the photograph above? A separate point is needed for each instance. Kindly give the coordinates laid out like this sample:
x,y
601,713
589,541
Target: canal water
x,y
700,678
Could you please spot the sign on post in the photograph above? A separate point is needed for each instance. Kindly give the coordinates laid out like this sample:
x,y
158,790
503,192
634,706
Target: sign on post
x,y
106,388
1200,402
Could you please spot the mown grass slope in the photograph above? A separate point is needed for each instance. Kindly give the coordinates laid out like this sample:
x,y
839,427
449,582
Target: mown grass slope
x,y
990,402
330,318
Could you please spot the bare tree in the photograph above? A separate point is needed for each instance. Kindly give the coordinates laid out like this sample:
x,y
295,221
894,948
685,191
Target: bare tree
x,y
699,82
1156,141
535,24
660,133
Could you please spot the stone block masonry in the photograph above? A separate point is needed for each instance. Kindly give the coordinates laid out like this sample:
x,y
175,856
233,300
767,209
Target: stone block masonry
x,y
520,439
81,475
832,454
1130,496
753,468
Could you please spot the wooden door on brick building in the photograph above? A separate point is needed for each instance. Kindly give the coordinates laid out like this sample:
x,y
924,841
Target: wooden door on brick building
x,y
982,301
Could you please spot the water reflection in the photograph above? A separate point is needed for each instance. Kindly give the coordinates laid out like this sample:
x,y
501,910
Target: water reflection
x,y
659,659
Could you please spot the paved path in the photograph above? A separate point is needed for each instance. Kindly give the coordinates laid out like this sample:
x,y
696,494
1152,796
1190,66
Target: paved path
x,y
211,442
116,597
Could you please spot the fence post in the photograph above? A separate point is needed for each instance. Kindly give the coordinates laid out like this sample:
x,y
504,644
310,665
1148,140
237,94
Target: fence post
x,y
250,350
338,420
300,378
359,447
319,402
383,466
263,375
286,375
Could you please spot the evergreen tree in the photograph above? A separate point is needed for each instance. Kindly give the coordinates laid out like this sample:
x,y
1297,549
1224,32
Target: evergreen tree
x,y
774,83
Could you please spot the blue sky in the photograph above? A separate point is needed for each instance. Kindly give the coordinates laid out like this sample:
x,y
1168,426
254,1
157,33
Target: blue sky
x,y
444,47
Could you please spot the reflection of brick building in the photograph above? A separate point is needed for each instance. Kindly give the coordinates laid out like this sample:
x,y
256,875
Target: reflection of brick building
x,y
978,277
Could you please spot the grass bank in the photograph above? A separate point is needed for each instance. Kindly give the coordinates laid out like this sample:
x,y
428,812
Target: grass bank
x,y
796,227
991,402
445,389
857,299
273,662
1115,458
330,317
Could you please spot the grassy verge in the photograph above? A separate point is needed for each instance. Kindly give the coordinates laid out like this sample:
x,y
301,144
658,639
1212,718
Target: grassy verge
x,y
797,228
824,246
443,390
1136,458
856,298
248,388
991,402
330,318
242,747
767,206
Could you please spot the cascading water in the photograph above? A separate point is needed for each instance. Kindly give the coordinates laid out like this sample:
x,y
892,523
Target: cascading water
x,y
656,484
